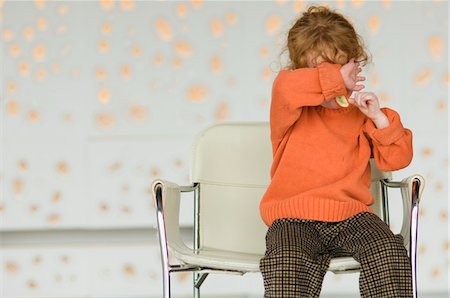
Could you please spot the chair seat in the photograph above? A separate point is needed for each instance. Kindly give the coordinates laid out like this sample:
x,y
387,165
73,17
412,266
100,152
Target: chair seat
x,y
244,262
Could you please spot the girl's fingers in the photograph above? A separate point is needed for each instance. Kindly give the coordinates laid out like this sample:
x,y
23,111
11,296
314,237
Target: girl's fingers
x,y
361,78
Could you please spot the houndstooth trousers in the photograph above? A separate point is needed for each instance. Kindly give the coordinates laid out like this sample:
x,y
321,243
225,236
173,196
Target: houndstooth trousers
x,y
299,251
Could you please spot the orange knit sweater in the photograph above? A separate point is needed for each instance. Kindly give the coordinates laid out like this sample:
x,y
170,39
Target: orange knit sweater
x,y
320,168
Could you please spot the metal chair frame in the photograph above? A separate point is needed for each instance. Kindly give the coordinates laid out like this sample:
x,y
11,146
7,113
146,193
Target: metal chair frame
x,y
200,273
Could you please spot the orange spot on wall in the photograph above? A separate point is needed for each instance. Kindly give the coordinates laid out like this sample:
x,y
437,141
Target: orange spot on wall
x,y
11,87
436,272
136,51
264,52
138,113
298,5
39,52
216,28
176,62
273,24
11,267
423,77
104,96
7,35
216,64
374,79
436,46
103,46
63,10
24,68
125,71
197,93
443,215
22,165
15,50
106,28
56,68
41,74
196,3
56,197
222,111
61,29
181,10
28,33
53,218
158,59
163,29
107,4
231,18
387,4
2,207
33,116
105,121
426,152
357,3
12,108
40,4
374,24
42,23
34,208
384,97
446,79
129,270
267,73
183,48
17,186
62,168
104,207
127,4
100,73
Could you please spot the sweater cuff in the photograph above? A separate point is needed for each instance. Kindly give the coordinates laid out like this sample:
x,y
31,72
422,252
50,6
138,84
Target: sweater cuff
x,y
388,135
331,80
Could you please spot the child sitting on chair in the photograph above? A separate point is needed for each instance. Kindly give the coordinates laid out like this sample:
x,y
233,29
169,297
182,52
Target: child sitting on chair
x,y
317,204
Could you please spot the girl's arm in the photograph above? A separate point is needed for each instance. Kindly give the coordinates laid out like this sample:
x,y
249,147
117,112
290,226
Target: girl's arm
x,y
298,88
392,145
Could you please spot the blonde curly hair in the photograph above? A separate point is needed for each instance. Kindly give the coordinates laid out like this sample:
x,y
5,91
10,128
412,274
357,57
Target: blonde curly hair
x,y
323,32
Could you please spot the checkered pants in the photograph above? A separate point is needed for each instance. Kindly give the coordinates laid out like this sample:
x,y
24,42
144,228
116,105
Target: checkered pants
x,y
298,253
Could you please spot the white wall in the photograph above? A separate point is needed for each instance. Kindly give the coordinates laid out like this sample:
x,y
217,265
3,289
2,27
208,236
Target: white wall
x,y
99,98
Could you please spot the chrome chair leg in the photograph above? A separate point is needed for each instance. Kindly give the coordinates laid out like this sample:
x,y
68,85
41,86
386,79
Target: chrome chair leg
x,y
414,233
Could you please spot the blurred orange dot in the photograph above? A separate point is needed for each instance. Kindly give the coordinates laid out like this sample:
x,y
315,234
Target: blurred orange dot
x,y
55,68
7,35
264,52
163,29
39,52
436,46
105,121
357,3
298,5
12,108
22,165
24,68
53,218
136,51
15,50
100,73
41,74
11,87
125,71
176,62
106,28
127,4
28,33
217,28
33,116
197,93
17,186
63,10
222,111
216,64
374,24
42,23
231,18
158,59
423,77
181,10
138,113
40,4
62,168
107,4
196,3
104,96
273,24
183,48
103,46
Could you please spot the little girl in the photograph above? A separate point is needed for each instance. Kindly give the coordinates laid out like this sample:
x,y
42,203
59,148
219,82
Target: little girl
x,y
317,204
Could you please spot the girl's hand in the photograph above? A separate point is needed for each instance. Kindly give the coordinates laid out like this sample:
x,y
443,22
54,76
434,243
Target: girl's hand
x,y
350,73
368,104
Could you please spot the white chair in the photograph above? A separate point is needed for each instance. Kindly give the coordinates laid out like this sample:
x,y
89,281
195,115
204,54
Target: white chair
x,y
230,170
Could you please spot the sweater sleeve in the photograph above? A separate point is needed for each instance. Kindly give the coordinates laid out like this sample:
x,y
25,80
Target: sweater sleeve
x,y
298,88
392,146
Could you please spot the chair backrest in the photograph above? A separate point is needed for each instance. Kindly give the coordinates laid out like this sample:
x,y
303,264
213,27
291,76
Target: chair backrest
x,y
231,161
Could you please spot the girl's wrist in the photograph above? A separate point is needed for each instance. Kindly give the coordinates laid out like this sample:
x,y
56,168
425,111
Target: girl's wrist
x,y
380,120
